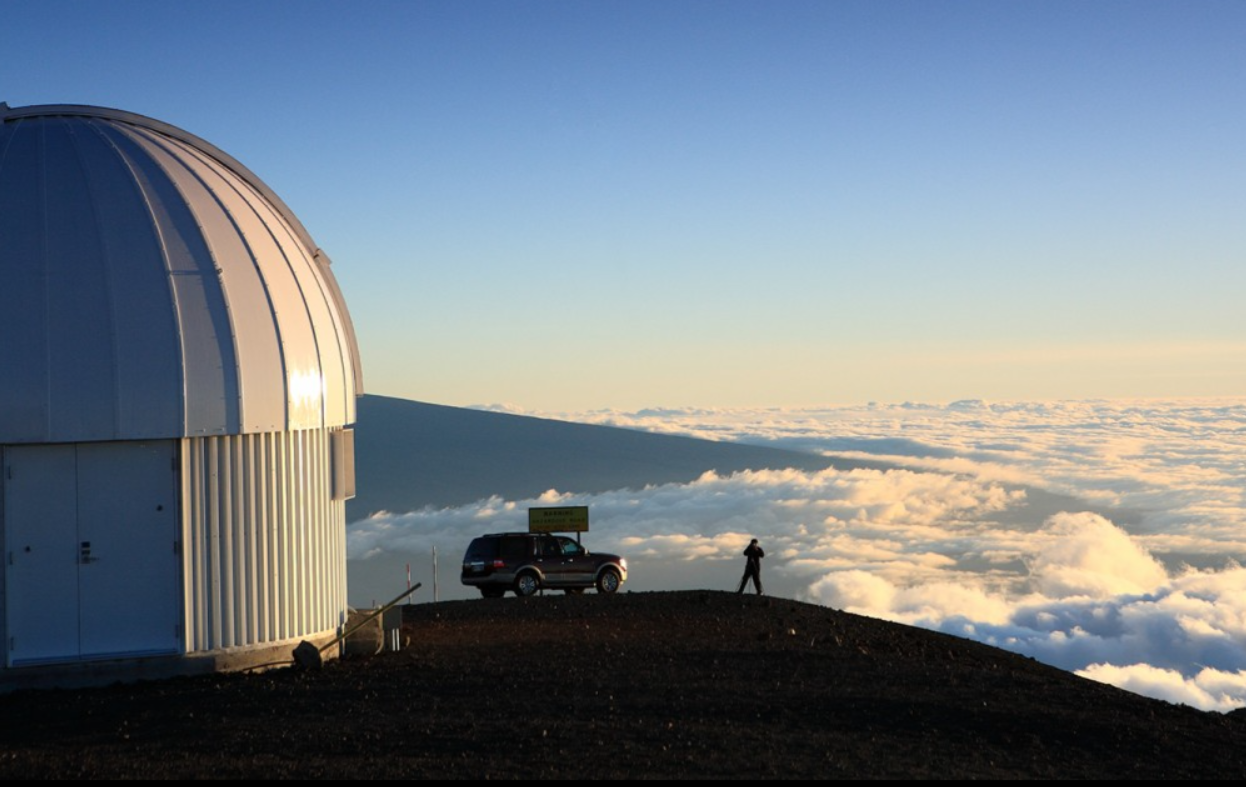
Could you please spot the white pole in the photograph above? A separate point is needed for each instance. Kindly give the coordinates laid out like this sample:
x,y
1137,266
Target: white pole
x,y
436,592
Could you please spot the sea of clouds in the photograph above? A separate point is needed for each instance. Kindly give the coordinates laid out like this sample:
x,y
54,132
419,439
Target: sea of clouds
x,y
1133,579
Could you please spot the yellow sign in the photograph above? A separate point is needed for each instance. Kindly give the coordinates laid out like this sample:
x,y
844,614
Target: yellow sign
x,y
568,519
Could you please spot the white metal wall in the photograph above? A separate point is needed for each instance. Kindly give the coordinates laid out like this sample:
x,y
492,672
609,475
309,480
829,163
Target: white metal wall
x,y
264,540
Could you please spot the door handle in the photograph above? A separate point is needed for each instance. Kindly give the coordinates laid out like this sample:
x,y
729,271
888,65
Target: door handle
x,y
84,554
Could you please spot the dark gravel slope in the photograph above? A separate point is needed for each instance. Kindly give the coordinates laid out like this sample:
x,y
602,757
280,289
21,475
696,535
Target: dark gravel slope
x,y
678,685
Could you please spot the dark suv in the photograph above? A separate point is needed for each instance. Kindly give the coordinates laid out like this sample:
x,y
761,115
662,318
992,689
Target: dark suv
x,y
528,562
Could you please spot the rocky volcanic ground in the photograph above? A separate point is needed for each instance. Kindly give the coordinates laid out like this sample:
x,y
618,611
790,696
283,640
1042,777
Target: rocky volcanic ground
x,y
646,685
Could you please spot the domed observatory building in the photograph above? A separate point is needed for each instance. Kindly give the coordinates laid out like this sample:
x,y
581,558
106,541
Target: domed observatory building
x,y
178,373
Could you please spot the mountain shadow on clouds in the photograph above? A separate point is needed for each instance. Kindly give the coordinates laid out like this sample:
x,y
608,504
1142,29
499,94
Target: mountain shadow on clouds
x,y
410,455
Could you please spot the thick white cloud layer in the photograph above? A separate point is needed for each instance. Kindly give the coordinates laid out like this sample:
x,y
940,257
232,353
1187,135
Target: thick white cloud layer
x,y
1158,455
946,544
1086,555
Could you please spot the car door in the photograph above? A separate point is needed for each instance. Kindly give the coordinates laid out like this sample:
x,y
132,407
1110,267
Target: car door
x,y
550,560
577,564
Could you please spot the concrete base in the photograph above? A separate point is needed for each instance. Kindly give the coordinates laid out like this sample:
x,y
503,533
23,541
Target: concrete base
x,y
108,671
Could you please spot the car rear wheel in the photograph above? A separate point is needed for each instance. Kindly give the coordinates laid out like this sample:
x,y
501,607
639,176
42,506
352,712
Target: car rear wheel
x,y
609,581
526,584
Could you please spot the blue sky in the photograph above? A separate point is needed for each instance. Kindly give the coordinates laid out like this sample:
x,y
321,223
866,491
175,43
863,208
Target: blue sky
x,y
622,204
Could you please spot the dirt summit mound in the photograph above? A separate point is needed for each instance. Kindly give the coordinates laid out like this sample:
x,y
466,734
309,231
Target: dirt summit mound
x,y
693,684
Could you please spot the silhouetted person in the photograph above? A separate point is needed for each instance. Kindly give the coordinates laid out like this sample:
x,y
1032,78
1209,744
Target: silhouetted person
x,y
752,569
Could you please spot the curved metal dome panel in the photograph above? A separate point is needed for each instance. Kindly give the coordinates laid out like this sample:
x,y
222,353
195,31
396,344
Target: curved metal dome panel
x,y
151,286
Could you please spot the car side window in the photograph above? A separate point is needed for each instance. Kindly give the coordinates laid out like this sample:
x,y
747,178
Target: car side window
x,y
569,547
514,548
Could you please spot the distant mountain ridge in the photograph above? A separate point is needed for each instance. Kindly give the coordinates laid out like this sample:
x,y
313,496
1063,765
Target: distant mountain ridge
x,y
412,454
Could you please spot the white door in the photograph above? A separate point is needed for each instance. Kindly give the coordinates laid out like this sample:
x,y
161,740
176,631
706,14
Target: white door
x,y
91,535
40,531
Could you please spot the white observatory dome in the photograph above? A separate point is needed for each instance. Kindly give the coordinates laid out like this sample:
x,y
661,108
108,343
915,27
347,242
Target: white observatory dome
x,y
152,287
177,369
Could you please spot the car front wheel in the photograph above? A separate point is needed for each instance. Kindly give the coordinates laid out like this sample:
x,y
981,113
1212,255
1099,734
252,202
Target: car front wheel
x,y
609,581
526,584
